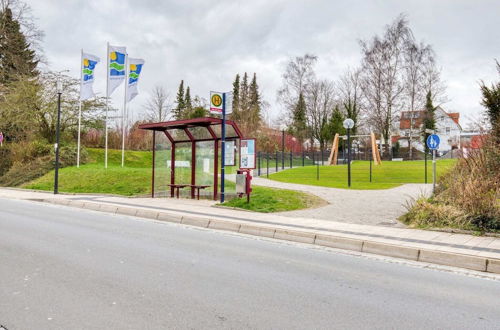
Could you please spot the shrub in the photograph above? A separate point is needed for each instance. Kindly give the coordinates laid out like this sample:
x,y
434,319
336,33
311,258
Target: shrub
x,y
467,197
5,159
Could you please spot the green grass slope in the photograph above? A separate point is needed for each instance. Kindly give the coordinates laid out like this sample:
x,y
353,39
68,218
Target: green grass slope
x,y
135,179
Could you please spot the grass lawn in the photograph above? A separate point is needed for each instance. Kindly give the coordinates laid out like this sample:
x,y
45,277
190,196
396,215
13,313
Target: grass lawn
x,y
268,200
387,175
135,179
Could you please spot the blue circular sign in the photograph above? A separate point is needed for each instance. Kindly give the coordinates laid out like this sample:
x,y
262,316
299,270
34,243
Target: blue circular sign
x,y
433,142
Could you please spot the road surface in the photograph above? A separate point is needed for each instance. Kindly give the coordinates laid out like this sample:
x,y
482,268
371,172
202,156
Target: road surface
x,y
64,268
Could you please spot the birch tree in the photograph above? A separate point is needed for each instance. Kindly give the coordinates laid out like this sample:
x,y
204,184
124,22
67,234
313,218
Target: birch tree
x,y
382,82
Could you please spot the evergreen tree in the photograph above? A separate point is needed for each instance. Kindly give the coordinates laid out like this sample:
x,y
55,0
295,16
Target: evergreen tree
x,y
187,104
336,122
180,100
352,111
429,121
198,112
236,98
243,100
16,57
299,120
491,101
253,112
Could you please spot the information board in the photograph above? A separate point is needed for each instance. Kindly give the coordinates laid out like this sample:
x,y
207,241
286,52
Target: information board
x,y
247,153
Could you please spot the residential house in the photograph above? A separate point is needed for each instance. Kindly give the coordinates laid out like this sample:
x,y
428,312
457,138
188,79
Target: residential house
x,y
447,128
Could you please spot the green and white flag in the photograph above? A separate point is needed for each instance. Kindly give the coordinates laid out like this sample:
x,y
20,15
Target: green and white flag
x,y
87,73
116,67
135,69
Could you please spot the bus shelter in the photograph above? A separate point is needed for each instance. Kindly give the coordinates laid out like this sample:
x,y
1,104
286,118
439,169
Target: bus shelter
x,y
186,156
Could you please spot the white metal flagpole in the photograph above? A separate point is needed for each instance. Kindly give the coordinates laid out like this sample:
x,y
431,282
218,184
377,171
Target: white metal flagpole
x,y
107,108
124,108
79,110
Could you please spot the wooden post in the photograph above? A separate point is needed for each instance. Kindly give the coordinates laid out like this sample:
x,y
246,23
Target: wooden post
x,y
375,151
332,160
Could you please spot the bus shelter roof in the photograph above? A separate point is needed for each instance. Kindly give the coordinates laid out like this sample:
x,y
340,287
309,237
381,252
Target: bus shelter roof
x,y
195,130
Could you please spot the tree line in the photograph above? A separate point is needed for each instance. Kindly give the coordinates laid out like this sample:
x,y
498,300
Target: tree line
x,y
246,104
397,73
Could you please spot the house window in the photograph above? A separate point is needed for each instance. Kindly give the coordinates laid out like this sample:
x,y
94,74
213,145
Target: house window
x,y
448,130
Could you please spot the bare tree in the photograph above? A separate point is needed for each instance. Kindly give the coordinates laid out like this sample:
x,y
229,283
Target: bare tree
x,y
382,83
350,93
432,79
415,58
320,101
158,106
299,74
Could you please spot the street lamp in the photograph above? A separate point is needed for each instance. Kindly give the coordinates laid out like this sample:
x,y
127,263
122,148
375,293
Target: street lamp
x,y
59,89
348,124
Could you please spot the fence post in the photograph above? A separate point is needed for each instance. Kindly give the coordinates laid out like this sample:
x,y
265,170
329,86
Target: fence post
x,y
267,158
276,161
317,169
258,163
370,166
291,159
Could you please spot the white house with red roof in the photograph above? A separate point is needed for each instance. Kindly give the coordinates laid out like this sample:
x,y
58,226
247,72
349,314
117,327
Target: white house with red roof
x,y
447,127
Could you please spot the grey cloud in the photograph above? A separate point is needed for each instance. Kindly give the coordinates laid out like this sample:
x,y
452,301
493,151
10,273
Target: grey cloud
x,y
207,42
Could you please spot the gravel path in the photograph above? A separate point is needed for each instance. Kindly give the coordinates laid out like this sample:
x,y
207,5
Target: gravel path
x,y
369,207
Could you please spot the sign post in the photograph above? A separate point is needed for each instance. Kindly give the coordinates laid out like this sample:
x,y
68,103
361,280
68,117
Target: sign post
x,y
433,144
218,106
348,124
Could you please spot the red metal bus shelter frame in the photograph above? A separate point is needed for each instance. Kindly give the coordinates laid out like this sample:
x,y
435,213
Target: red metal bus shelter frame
x,y
184,125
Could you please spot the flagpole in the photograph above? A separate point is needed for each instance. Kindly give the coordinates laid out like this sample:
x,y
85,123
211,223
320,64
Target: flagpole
x,y
124,108
79,110
107,108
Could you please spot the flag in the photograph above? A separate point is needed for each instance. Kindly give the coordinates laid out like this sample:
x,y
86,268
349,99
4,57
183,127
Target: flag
x,y
116,67
135,68
87,66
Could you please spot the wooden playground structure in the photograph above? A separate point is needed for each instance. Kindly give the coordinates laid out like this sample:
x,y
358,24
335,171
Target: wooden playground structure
x,y
332,160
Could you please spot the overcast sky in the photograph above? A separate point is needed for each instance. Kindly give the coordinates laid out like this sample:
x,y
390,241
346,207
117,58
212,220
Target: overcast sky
x,y
207,42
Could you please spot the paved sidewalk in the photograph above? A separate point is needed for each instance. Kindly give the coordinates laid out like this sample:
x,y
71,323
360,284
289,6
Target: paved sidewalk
x,y
367,207
401,242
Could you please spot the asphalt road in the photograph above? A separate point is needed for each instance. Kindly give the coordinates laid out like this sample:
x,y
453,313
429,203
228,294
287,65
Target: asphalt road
x,y
63,268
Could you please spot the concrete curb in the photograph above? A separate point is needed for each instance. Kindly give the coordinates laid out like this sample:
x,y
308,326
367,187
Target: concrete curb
x,y
482,264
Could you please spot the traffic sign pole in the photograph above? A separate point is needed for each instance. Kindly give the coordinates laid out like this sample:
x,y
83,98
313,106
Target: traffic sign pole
x,y
432,142
433,171
425,163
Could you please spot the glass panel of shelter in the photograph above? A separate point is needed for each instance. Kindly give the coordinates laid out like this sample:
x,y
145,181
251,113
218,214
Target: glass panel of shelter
x,y
178,134
230,132
200,133
162,150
